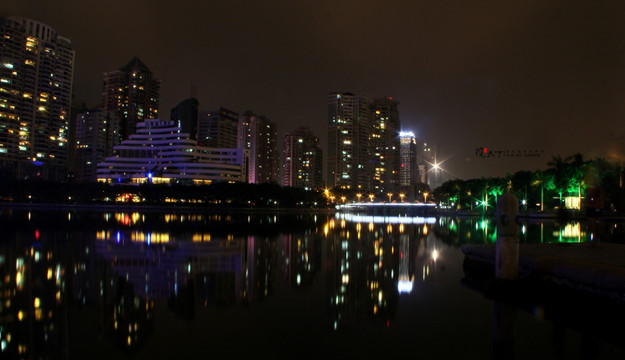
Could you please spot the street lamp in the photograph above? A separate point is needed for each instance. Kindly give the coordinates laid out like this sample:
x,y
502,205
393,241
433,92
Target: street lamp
x,y
371,196
390,195
401,196
425,197
358,196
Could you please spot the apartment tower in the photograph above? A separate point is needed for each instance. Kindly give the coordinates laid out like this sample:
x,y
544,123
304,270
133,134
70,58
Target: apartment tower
x,y
133,92
302,160
36,73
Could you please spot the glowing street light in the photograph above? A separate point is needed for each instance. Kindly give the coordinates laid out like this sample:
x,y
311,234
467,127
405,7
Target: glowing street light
x,y
425,197
401,196
390,195
358,196
371,196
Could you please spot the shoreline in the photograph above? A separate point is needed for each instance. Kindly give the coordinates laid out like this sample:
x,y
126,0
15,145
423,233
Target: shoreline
x,y
155,208
177,208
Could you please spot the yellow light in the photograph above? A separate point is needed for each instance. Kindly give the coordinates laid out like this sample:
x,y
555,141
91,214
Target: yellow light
x,y
37,302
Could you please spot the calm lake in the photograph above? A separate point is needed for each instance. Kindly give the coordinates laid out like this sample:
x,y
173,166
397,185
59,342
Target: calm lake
x,y
156,285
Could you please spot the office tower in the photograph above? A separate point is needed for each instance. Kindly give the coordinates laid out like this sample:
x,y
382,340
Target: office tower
x,y
133,92
408,172
185,114
429,171
302,166
259,135
385,154
36,70
349,132
97,132
219,128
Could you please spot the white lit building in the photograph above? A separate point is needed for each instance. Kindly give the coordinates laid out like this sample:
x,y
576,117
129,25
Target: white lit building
x,y
160,152
408,156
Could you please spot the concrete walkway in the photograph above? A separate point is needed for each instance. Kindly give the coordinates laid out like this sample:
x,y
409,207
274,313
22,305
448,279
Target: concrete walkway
x,y
597,267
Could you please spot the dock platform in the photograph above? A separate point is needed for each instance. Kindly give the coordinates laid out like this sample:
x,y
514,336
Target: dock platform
x,y
594,267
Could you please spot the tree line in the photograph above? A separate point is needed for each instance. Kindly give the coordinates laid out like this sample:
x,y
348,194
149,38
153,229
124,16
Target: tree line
x,y
568,183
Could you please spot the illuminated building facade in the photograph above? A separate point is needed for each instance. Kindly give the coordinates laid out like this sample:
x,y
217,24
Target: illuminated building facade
x,y
408,156
185,114
303,161
36,72
97,132
133,92
385,153
259,135
349,133
160,152
219,128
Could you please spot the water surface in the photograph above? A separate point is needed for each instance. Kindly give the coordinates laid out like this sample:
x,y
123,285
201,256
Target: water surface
x,y
156,285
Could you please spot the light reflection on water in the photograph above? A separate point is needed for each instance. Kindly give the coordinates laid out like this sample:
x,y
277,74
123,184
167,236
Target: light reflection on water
x,y
128,278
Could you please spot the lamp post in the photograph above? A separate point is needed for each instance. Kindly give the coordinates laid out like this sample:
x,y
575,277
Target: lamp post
x,y
390,195
425,197
401,196
371,196
358,196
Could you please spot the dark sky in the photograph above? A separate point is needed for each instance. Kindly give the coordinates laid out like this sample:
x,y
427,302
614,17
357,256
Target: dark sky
x,y
545,76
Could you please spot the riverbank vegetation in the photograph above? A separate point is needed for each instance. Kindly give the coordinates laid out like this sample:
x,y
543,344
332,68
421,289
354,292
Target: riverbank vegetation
x,y
571,183
239,195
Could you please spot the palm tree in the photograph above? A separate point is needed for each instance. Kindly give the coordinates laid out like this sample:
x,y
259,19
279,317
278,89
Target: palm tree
x,y
546,180
559,167
575,171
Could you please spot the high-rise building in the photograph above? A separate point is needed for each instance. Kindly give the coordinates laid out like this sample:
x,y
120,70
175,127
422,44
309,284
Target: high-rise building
x,y
97,132
349,133
36,71
429,171
259,135
219,128
302,161
385,153
185,114
408,172
133,92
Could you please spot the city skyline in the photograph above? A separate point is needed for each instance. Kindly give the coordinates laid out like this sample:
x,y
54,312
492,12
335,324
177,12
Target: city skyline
x,y
534,78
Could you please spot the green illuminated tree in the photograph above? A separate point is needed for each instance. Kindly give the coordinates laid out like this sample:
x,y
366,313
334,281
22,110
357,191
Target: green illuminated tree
x,y
546,181
560,169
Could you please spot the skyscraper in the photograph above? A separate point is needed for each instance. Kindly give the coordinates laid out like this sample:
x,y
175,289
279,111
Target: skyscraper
x,y
385,153
97,132
219,128
302,160
408,172
133,92
429,171
259,135
36,71
349,132
185,114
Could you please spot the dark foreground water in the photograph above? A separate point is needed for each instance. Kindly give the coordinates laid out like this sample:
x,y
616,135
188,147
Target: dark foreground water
x,y
104,285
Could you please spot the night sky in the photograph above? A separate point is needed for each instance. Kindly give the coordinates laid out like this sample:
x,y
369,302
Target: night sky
x,y
539,77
